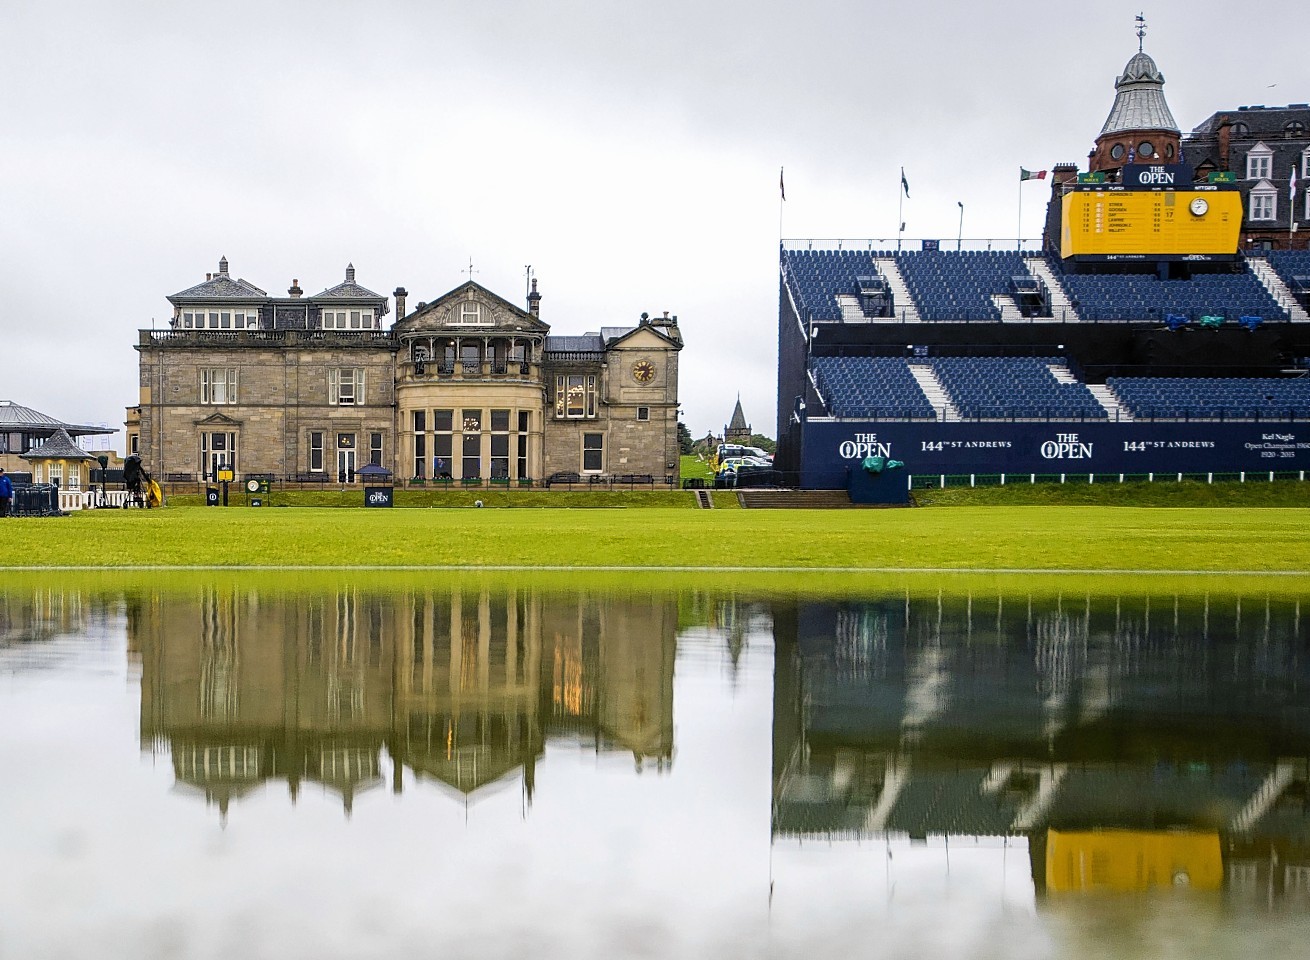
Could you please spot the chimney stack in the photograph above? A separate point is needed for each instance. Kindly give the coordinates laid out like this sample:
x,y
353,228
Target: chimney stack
x,y
534,300
222,267
350,273
294,290
400,294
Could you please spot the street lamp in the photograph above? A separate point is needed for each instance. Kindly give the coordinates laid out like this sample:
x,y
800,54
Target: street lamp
x,y
959,238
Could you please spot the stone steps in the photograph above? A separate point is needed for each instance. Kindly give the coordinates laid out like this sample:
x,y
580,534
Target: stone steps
x,y
796,500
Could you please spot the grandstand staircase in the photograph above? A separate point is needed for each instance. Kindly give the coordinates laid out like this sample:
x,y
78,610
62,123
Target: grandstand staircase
x,y
932,389
1061,306
904,303
1277,288
1010,312
1110,400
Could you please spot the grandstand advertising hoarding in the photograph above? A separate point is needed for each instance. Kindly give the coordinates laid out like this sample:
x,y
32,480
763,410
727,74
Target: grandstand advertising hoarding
x,y
832,449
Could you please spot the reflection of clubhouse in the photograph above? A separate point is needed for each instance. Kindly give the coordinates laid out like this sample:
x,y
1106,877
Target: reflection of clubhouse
x,y
1124,738
461,688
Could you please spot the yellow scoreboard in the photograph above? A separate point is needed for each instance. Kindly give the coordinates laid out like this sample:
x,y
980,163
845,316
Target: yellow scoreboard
x,y
1115,222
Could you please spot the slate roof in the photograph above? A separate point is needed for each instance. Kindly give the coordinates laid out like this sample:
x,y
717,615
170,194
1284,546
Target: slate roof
x,y
349,290
16,417
738,421
587,343
1139,102
1264,123
221,287
613,333
60,446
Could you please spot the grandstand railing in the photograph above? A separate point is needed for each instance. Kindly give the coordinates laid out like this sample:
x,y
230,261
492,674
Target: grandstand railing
x,y
929,481
947,244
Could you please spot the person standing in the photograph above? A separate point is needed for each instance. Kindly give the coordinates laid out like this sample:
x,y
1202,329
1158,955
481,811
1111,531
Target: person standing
x,y
6,493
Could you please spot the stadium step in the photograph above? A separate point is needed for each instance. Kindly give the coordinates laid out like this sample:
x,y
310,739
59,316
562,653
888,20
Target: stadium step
x,y
796,500
1107,398
1010,312
906,311
704,500
1277,288
1061,307
932,389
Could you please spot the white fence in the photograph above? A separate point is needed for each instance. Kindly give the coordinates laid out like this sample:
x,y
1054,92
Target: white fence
x,y
70,500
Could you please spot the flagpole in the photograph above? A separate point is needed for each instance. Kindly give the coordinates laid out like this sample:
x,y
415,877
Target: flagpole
x,y
900,210
1018,243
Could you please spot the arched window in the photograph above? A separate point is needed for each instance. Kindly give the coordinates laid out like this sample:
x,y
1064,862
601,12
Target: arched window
x,y
1293,130
1240,130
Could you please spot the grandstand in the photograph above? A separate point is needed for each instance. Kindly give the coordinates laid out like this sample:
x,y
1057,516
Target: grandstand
x,y
1158,326
982,361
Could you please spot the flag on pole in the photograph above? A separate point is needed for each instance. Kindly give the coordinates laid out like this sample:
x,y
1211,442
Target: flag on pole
x,y
782,187
905,184
1031,174
1291,185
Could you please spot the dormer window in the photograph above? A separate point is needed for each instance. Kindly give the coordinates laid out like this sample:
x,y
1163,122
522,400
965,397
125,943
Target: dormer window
x,y
1293,130
1259,162
220,319
348,320
1264,202
1239,130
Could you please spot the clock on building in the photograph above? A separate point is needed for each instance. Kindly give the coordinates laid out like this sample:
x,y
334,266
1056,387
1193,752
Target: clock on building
x,y
643,371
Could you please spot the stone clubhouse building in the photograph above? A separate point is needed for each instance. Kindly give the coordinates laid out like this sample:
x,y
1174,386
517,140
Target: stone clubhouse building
x,y
467,388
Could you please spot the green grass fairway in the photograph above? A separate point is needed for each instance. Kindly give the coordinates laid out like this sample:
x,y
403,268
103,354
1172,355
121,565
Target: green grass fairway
x,y
961,538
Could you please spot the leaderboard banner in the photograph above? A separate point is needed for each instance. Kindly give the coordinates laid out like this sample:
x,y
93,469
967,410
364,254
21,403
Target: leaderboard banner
x,y
1114,222
829,449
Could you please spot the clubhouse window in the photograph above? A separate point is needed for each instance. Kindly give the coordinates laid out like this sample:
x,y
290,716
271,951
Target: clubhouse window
x,y
593,452
375,449
346,386
471,444
420,443
575,396
219,319
218,385
443,442
315,451
643,413
469,314
1293,130
348,320
499,444
525,420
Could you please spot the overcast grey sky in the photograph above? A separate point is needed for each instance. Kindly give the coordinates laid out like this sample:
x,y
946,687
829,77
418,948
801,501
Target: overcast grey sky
x,y
629,152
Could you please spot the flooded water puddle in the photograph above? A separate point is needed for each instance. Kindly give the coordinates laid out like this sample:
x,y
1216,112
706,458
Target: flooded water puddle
x,y
264,766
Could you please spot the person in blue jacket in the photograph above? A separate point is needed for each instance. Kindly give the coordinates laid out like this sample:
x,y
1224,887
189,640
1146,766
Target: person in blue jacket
x,y
6,493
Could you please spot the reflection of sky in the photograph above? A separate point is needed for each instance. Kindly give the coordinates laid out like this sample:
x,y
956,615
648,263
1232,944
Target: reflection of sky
x,y
103,856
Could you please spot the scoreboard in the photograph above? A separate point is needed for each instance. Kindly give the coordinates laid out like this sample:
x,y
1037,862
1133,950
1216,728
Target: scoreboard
x,y
1106,221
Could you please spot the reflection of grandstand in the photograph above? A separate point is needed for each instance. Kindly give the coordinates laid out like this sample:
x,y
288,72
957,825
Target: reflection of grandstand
x,y
464,688
1135,316
998,716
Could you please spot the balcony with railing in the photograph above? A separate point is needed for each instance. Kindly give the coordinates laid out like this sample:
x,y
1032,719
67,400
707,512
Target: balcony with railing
x,y
470,370
266,338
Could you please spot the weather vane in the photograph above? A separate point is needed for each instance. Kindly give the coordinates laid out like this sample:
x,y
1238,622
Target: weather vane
x,y
470,271
1141,30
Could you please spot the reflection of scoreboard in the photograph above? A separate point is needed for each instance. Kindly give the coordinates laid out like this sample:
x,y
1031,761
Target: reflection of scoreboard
x,y
1114,222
